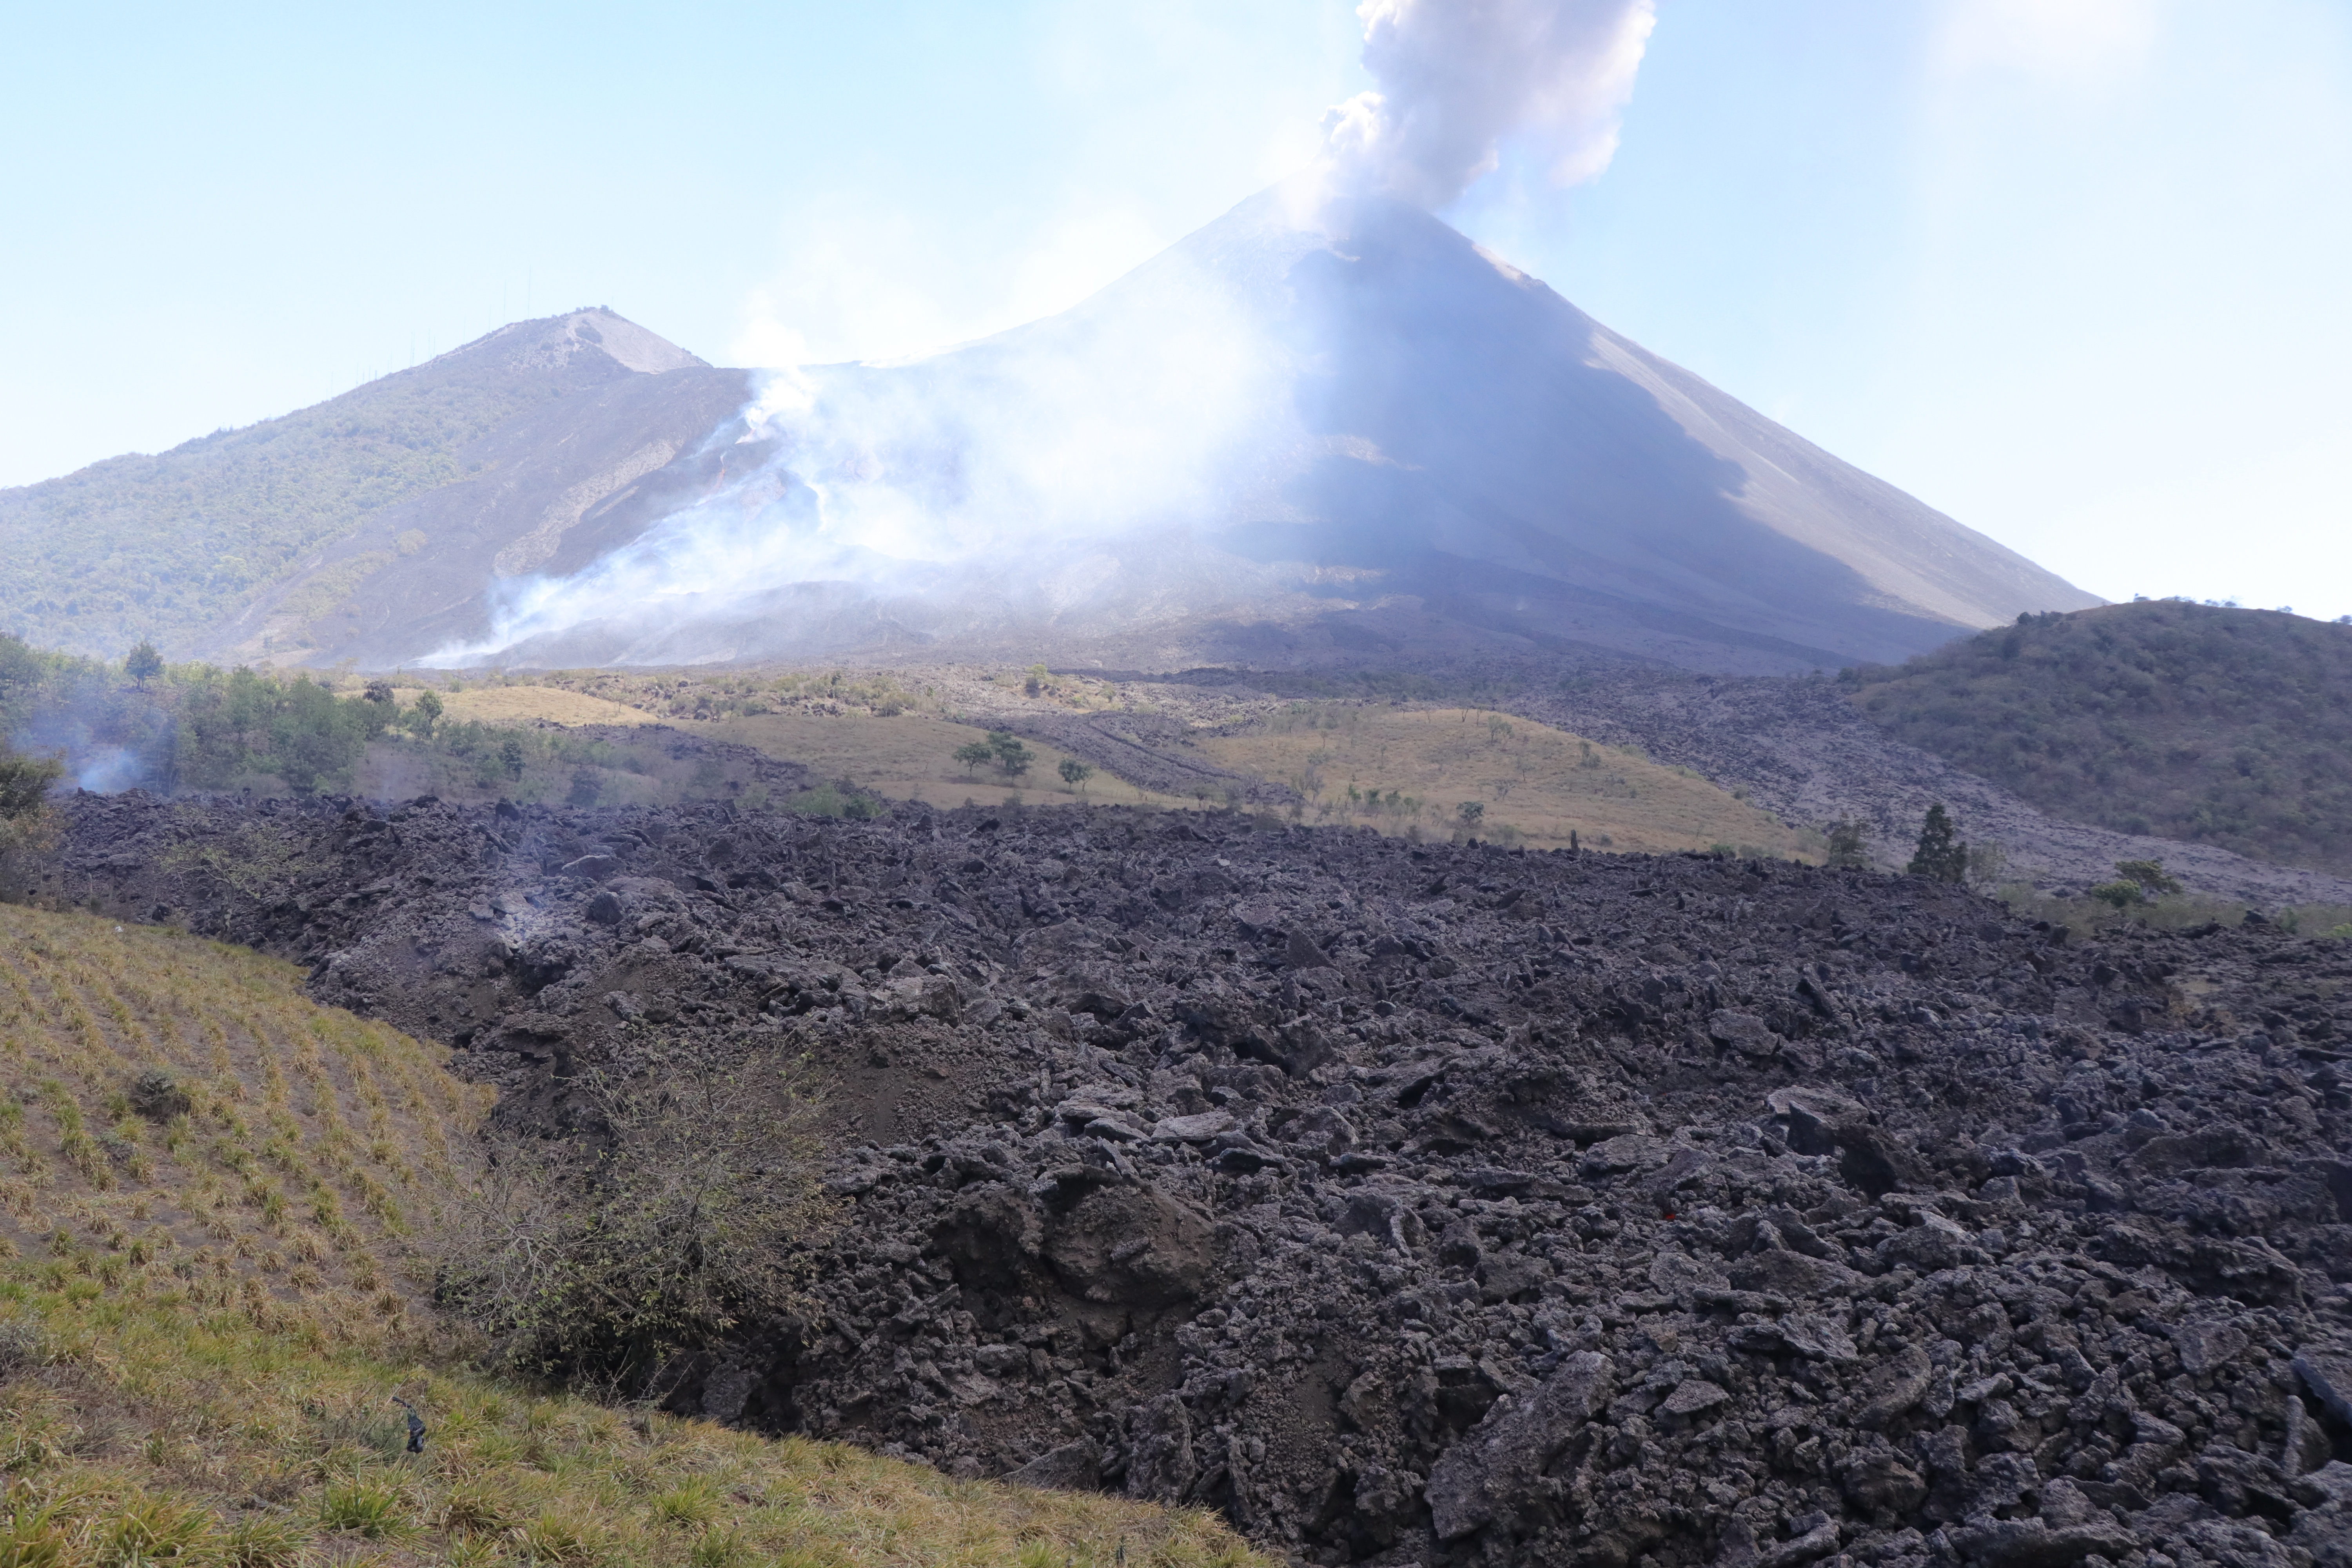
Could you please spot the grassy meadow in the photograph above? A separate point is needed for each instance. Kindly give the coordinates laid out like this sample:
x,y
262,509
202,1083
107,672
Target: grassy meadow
x,y
1406,770
212,1304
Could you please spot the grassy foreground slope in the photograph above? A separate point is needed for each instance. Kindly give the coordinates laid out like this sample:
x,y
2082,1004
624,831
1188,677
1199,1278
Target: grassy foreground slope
x,y
209,1306
2223,726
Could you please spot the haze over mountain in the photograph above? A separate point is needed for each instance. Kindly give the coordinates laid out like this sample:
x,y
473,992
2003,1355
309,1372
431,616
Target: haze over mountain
x,y
287,540
1319,429
1313,429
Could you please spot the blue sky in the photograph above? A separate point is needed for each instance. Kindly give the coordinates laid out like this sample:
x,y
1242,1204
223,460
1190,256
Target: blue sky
x,y
2071,271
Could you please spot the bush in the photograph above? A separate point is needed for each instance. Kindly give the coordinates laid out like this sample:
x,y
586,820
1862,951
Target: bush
x,y
366,1507
157,1096
1849,845
2122,893
677,1219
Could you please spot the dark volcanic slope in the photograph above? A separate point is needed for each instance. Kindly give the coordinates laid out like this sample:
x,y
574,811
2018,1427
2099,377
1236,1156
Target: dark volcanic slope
x,y
1439,1205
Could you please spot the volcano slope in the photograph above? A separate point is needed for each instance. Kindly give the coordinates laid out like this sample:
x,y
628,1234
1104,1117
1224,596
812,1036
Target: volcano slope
x,y
1436,1204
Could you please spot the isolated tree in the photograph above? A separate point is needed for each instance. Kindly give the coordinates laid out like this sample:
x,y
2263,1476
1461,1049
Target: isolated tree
x,y
973,755
425,714
379,691
1011,754
1941,856
1849,845
510,756
1075,773
1471,811
143,664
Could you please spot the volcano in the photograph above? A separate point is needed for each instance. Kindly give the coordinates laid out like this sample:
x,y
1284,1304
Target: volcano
x,y
1316,431
1312,430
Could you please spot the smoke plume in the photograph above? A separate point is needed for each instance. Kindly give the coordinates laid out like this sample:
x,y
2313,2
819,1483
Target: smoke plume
x,y
1458,77
1067,469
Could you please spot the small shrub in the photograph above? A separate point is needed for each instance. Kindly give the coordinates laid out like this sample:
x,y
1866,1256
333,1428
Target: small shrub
x,y
2122,894
366,1507
157,1096
693,1501
717,1549
477,1508
557,1538
21,1348
265,1542
152,1530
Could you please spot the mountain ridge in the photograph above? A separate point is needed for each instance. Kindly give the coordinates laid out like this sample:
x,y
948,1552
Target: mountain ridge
x,y
183,546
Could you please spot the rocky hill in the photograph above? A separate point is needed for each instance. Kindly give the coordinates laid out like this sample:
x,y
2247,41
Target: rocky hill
x,y
1436,1204
293,539
2220,726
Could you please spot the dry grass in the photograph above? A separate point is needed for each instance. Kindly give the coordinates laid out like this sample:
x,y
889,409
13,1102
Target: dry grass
x,y
208,1311
1407,769
910,756
520,704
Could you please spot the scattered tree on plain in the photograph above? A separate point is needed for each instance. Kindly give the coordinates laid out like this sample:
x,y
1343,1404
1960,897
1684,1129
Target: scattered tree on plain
x,y
1011,755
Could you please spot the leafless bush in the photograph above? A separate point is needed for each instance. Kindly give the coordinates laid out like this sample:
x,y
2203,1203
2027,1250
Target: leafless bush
x,y
681,1217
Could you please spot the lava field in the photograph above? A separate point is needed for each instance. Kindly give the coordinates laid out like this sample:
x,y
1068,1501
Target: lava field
x,y
1436,1204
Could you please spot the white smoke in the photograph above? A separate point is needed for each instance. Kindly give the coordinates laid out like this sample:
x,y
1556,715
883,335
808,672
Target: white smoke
x,y
991,466
1457,77
997,476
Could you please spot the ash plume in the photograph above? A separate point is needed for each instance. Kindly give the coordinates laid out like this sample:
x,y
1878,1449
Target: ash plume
x,y
1457,77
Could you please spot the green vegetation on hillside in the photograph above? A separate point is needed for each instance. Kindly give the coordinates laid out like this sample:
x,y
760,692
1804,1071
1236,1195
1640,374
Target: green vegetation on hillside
x,y
214,1321
196,728
169,545
2224,726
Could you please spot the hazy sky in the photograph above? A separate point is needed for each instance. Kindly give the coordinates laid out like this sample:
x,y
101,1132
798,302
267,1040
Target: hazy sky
x,y
2072,270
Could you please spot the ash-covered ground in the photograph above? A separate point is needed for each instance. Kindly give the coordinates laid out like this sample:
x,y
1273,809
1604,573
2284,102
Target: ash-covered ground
x,y
1435,1205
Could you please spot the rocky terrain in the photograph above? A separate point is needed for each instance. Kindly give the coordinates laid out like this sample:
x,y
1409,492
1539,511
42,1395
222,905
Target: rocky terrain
x,y
1433,1205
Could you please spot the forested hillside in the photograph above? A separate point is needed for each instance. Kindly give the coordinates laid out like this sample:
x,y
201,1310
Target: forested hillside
x,y
170,546
2225,726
